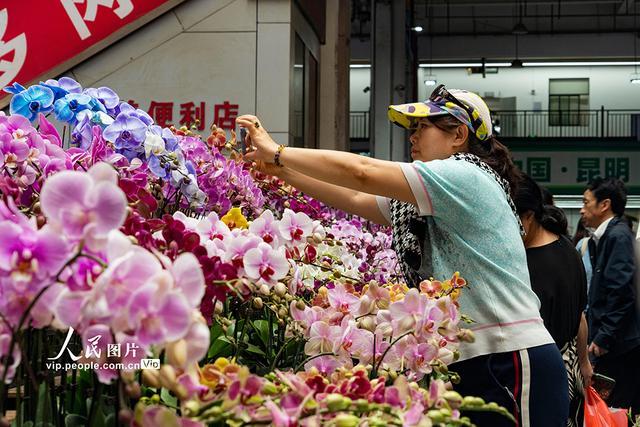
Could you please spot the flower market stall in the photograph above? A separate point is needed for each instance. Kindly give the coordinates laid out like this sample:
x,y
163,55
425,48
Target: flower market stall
x,y
148,277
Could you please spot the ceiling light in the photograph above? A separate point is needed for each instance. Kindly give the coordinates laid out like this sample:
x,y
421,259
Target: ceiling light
x,y
581,64
635,79
430,80
417,29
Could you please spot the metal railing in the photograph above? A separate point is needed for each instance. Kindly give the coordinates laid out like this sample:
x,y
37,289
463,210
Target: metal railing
x,y
359,125
560,124
600,123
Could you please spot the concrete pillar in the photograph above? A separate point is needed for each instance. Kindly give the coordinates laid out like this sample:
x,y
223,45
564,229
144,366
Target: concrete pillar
x,y
333,93
389,77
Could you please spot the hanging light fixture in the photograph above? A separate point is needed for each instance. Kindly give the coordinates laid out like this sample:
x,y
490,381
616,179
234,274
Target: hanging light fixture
x,y
520,29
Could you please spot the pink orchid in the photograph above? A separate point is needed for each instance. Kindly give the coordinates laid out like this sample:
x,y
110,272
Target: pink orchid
x,y
419,357
348,340
266,227
295,227
237,248
327,364
211,228
85,205
265,264
343,301
406,313
158,315
320,339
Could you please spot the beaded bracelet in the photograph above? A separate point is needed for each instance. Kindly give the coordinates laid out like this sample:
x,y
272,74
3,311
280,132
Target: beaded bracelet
x,y
276,157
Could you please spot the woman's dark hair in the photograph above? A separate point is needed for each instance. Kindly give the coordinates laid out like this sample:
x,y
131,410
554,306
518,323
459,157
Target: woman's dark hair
x,y
529,198
491,151
581,232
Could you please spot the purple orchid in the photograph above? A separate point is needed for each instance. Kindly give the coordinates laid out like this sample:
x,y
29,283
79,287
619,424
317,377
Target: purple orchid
x,y
85,205
127,133
105,95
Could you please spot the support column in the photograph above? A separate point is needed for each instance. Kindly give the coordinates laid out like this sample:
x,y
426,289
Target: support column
x,y
333,92
389,78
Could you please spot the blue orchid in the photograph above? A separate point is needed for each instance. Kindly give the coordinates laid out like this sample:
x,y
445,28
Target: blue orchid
x,y
15,88
67,108
30,102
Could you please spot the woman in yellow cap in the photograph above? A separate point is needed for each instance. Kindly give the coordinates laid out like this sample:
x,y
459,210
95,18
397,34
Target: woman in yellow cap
x,y
451,209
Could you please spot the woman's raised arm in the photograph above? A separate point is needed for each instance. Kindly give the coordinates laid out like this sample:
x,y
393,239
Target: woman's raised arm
x,y
364,174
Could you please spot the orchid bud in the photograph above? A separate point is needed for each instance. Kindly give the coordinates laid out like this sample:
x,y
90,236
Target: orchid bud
x,y
337,402
264,290
346,420
180,391
368,323
300,305
167,376
191,408
269,388
151,378
177,352
453,398
280,289
466,335
257,303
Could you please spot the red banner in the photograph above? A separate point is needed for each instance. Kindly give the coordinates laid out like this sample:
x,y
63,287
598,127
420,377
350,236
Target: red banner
x,y
40,39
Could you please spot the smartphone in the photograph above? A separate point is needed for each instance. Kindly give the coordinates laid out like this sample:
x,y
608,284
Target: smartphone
x,y
242,143
603,385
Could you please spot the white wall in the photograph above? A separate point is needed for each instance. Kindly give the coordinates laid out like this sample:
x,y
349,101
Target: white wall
x,y
608,86
359,79
206,51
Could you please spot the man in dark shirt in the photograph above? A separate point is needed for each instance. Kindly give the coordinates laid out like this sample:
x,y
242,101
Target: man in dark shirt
x,y
614,320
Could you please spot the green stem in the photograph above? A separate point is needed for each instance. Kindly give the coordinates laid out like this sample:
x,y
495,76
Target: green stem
x,y
275,360
374,371
93,411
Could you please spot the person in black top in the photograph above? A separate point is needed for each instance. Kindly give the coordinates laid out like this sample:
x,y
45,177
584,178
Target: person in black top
x,y
558,279
614,318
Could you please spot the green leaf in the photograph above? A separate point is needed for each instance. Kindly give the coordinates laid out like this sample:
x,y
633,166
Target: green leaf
x,y
75,420
254,349
98,420
263,328
219,347
43,408
168,398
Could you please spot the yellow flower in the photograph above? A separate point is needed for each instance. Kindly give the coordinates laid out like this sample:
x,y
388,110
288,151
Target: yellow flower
x,y
235,219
